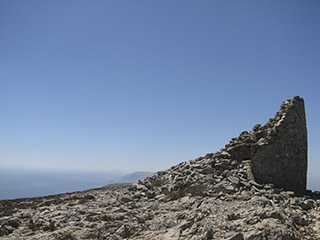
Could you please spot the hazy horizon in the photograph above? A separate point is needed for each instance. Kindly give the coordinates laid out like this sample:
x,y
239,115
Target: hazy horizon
x,y
144,85
26,183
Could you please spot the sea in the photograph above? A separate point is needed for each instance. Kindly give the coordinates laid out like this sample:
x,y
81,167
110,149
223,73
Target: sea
x,y
26,183
22,183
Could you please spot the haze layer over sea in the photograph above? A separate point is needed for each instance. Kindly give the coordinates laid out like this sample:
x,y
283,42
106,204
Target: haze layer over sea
x,y
24,183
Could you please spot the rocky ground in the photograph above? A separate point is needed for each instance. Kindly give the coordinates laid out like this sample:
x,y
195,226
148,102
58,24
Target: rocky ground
x,y
212,197
209,198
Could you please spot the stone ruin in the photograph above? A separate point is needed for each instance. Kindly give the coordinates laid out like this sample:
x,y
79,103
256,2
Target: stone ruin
x,y
247,191
274,154
277,151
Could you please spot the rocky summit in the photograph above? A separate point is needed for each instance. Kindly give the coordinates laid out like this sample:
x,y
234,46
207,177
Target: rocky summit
x,y
252,189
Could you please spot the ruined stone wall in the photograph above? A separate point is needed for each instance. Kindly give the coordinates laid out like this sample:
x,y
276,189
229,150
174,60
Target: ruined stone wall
x,y
277,150
281,156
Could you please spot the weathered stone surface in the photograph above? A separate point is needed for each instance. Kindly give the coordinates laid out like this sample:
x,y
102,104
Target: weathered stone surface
x,y
219,196
280,156
237,236
240,152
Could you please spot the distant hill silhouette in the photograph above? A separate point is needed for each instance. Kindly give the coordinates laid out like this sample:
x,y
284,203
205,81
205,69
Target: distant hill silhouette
x,y
135,176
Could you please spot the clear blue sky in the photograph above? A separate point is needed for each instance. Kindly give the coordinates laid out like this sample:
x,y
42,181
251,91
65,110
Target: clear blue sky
x,y
142,85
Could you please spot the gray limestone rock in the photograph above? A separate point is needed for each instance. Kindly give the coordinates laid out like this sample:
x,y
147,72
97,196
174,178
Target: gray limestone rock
x,y
281,156
234,180
246,191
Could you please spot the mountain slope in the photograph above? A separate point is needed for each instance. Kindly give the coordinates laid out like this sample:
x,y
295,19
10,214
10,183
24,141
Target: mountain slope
x,y
232,194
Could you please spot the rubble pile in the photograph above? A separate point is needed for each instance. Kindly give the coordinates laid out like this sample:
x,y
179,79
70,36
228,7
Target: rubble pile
x,y
233,194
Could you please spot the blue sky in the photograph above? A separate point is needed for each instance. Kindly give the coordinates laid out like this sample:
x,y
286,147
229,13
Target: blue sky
x,y
142,85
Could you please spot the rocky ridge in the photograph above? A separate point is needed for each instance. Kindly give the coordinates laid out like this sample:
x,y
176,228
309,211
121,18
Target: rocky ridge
x,y
218,196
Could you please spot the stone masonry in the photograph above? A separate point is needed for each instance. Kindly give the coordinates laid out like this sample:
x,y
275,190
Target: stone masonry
x,y
253,189
278,150
280,155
